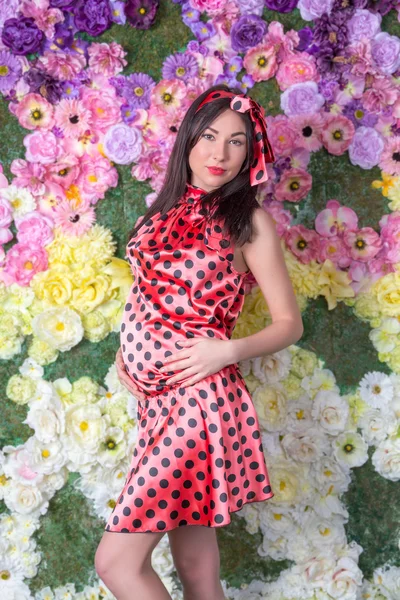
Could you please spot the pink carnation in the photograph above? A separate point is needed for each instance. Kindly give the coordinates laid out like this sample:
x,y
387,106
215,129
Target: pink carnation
x,y
281,134
381,94
302,242
33,112
29,175
107,59
261,62
337,133
297,68
104,107
22,262
34,228
294,185
363,244
41,146
63,65
96,176
335,219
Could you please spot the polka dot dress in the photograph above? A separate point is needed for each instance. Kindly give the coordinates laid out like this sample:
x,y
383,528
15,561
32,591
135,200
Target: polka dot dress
x,y
199,455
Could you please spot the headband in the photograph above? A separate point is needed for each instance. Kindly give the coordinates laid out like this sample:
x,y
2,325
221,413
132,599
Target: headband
x,y
263,152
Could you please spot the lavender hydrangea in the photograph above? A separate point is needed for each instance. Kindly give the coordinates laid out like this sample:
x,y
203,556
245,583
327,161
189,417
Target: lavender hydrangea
x,y
366,147
385,52
314,9
122,144
301,98
363,24
22,35
247,32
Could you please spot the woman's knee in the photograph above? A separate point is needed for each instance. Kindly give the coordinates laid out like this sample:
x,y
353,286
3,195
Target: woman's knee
x,y
196,555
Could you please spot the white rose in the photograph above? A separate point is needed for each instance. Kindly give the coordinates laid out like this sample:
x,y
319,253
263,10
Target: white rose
x,y
19,466
305,447
270,404
325,533
330,477
276,522
273,367
346,580
321,379
299,414
331,411
25,499
47,457
386,459
376,426
47,419
61,328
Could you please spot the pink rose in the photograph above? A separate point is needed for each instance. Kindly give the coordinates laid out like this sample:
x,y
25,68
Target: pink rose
x,y
33,227
22,263
211,7
297,68
6,212
41,146
96,176
104,107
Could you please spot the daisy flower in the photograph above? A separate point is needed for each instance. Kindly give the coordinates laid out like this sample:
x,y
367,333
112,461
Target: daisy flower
x,y
180,66
376,389
337,133
72,117
10,70
73,221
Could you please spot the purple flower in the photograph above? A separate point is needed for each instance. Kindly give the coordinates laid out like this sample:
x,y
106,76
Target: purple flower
x,y
122,144
385,52
135,88
193,46
366,147
306,37
332,28
282,6
63,38
248,31
363,23
128,113
22,35
253,7
356,112
327,66
10,70
190,15
233,67
92,16
180,66
203,31
301,98
381,6
42,83
70,89
313,9
118,12
141,13
63,4
8,9
328,88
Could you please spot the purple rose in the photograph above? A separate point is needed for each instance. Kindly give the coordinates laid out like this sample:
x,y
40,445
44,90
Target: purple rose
x,y
314,9
301,99
22,35
254,7
248,31
385,52
140,20
122,144
366,147
363,24
92,16
282,6
63,4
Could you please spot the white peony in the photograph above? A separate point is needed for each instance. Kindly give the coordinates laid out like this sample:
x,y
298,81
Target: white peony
x,y
325,533
273,367
350,449
19,466
85,426
376,426
289,481
306,447
270,404
386,459
25,499
61,328
277,521
47,457
331,411
330,477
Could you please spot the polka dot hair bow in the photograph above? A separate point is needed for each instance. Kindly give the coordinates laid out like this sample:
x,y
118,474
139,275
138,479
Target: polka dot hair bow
x,y
263,152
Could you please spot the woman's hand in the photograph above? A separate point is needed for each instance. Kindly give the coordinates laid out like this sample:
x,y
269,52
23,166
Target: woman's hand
x,y
125,379
199,358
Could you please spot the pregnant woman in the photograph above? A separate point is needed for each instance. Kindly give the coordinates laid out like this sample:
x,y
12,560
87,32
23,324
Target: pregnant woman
x,y
199,455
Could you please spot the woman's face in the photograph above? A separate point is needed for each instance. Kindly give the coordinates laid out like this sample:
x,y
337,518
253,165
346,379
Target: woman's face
x,y
223,145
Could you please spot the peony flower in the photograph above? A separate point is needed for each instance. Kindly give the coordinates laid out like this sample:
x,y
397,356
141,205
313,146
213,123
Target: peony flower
x,y
261,62
61,327
386,459
301,98
22,263
334,249
247,32
96,177
19,200
62,65
107,59
297,68
45,18
34,111
366,147
294,185
103,106
92,16
363,24
331,411
337,134
282,134
385,52
33,227
270,402
122,144
41,146
22,35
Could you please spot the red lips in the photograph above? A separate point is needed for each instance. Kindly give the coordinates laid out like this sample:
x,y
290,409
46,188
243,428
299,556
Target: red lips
x,y
216,170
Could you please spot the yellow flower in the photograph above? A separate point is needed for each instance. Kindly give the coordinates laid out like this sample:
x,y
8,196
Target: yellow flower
x,y
303,363
270,404
84,391
334,284
120,273
54,286
42,352
366,307
393,360
304,278
96,326
292,387
387,292
394,195
91,290
387,182
20,389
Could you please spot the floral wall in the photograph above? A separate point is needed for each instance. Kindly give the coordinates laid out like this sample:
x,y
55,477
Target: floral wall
x,y
92,95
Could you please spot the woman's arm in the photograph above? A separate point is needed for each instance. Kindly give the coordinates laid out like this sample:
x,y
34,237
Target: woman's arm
x,y
265,259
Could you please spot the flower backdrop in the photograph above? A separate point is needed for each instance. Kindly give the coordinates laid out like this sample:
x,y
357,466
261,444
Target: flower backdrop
x,y
93,94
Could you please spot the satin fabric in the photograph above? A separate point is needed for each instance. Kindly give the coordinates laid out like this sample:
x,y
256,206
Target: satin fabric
x,y
199,455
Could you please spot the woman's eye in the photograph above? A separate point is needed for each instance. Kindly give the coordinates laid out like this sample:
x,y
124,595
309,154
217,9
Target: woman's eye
x,y
210,135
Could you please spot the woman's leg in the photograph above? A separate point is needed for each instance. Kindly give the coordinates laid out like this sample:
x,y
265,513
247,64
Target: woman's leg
x,y
196,557
123,562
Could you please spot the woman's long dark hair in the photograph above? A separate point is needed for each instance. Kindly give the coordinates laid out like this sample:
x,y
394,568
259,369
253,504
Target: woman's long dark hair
x,y
235,201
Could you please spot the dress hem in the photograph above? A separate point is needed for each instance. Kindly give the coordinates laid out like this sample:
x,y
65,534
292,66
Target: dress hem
x,y
267,497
